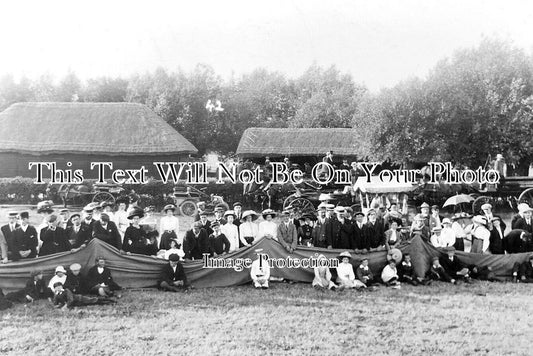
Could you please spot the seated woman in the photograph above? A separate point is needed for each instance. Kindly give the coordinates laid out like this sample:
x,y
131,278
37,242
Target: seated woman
x,y
248,230
389,275
322,278
345,274
100,281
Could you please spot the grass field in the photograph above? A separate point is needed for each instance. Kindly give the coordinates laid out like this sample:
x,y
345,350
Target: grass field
x,y
441,319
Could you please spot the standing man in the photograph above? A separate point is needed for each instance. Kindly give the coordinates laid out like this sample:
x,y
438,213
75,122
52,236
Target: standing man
x,y
78,235
54,238
319,231
287,232
26,238
196,242
338,232
8,231
64,222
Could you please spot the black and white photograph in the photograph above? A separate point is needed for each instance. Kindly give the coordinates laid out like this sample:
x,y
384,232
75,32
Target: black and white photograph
x,y
266,177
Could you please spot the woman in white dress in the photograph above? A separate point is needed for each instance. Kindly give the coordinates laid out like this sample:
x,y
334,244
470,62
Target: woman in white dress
x,y
268,228
231,231
248,230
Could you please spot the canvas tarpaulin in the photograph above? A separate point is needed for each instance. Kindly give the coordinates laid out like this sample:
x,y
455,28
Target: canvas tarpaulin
x,y
136,271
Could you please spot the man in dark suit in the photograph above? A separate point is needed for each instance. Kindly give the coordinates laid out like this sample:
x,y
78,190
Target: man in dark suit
x,y
339,233
358,231
496,236
374,232
319,231
78,234
525,222
517,241
173,276
8,231
25,238
453,267
107,231
205,223
287,232
196,242
237,209
53,237
100,281
35,289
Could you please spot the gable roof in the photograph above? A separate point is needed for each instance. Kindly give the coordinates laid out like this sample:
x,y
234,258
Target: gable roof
x,y
88,128
257,141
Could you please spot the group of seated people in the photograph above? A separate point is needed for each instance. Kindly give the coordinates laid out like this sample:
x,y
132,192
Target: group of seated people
x,y
67,289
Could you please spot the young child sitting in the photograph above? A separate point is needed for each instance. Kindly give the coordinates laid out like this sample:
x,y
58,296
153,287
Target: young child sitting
x,y
436,272
364,273
389,275
345,274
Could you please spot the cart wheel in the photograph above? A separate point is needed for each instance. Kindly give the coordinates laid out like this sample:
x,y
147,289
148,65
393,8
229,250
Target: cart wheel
x,y
476,205
526,197
188,208
300,205
101,197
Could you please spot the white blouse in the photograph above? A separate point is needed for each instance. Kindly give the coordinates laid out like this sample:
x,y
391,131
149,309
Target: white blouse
x,y
268,228
232,233
248,229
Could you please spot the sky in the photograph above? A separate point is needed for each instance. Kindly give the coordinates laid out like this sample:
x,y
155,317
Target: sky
x,y
378,42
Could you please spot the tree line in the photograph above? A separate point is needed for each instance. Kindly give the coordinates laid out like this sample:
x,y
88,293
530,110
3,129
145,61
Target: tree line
x,y
477,102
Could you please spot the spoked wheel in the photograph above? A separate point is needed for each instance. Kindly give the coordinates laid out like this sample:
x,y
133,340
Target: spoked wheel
x,y
101,197
526,197
188,208
300,205
476,205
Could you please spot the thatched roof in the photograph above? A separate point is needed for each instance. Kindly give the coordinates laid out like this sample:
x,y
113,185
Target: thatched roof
x,y
298,142
88,128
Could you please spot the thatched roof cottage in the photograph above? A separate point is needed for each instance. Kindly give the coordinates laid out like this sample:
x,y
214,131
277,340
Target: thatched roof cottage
x,y
128,134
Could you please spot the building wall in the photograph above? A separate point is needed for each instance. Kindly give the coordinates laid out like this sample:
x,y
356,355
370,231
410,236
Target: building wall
x,y
16,164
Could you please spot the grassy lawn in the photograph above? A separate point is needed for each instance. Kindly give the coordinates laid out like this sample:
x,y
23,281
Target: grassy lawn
x,y
441,319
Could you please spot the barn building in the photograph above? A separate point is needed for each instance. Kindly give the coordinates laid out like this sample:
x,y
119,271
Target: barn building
x,y
129,135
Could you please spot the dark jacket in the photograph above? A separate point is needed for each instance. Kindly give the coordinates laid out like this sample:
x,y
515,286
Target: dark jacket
x,y
74,283
451,266
218,244
374,235
54,241
81,237
9,236
25,240
194,247
339,234
319,234
512,243
521,224
496,242
168,275
135,240
94,278
109,235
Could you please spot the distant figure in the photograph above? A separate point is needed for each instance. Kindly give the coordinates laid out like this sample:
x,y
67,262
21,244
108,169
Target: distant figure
x,y
500,165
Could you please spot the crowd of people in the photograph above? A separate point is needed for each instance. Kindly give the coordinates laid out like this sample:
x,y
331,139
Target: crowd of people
x,y
138,231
